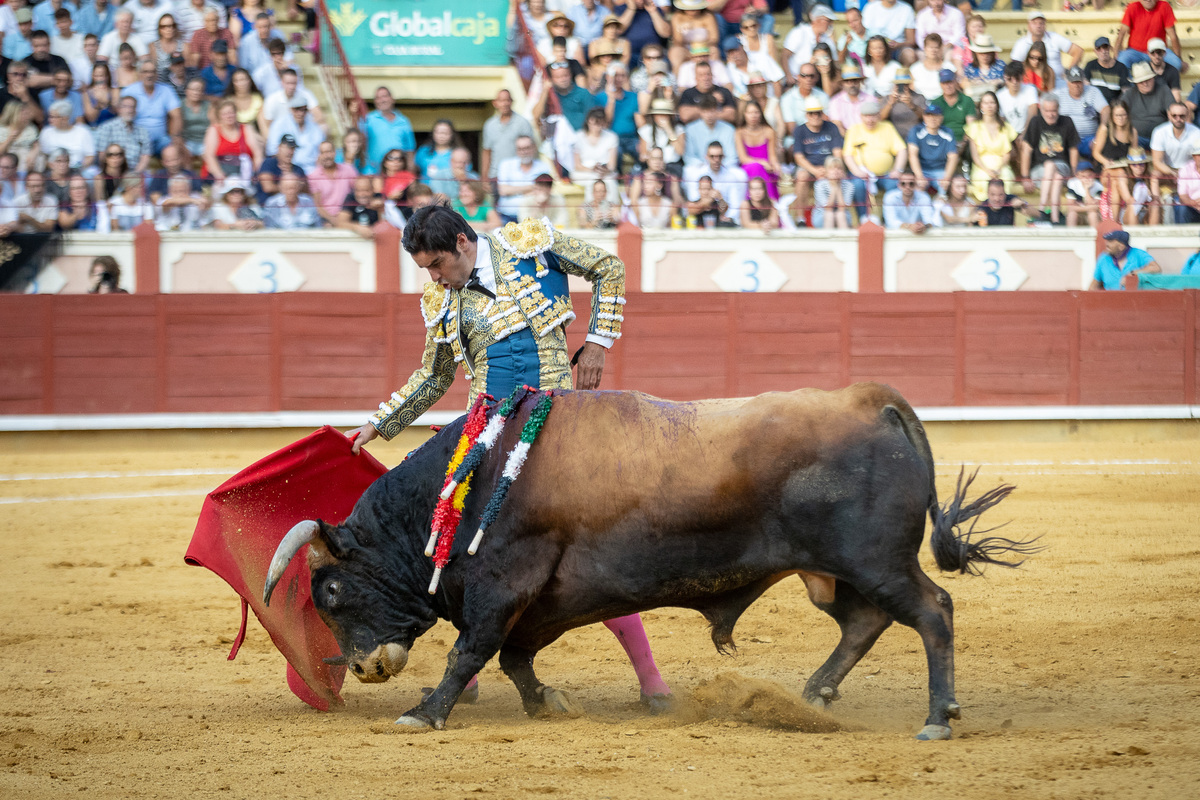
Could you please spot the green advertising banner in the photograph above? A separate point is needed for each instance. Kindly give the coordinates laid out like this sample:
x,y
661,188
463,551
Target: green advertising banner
x,y
422,33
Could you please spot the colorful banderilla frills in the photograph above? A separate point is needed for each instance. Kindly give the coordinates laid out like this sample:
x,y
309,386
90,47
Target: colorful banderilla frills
x,y
450,506
512,467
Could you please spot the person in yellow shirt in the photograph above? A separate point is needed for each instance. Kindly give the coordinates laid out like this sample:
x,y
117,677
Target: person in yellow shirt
x,y
874,152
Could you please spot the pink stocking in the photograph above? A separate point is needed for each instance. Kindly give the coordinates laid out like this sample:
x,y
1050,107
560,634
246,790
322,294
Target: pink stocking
x,y
632,636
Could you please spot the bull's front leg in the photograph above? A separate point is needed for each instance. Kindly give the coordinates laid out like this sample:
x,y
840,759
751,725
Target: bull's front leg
x,y
536,697
462,663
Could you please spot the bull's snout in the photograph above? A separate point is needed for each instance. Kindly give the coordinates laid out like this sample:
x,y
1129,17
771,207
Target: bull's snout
x,y
383,662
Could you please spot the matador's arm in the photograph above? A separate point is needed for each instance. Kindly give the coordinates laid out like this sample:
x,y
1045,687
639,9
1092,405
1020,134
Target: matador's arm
x,y
606,273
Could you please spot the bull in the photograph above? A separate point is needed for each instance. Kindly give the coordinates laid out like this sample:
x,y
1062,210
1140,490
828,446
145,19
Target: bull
x,y
629,503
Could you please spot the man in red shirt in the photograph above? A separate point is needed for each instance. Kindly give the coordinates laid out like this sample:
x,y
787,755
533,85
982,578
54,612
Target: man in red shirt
x,y
1145,20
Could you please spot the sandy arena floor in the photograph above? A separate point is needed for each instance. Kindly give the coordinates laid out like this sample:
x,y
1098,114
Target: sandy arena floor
x,y
1078,674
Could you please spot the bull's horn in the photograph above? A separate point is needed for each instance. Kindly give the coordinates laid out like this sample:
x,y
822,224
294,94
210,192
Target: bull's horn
x,y
301,534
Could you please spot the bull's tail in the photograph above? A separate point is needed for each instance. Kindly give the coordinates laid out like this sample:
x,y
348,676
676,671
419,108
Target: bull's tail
x,y
955,549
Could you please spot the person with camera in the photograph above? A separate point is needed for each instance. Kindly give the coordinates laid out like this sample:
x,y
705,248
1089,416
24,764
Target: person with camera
x,y
104,276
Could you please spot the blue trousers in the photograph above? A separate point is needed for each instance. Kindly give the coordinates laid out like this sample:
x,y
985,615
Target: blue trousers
x,y
1130,57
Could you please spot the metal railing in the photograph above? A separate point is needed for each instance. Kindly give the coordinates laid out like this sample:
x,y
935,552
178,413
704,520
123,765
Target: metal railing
x,y
336,75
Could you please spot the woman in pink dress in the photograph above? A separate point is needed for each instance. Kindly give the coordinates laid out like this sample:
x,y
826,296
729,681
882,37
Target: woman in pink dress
x,y
757,148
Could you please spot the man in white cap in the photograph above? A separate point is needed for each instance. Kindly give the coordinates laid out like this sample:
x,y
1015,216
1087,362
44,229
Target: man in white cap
x,y
943,19
1144,21
1057,45
891,19
1165,72
799,43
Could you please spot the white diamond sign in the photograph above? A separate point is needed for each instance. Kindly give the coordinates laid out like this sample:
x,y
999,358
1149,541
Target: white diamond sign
x,y
265,272
749,270
989,271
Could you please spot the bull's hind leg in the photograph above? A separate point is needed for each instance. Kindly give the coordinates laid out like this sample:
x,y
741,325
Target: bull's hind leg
x,y
912,599
536,697
861,623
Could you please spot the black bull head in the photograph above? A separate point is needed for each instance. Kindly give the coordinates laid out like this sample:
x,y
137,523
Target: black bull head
x,y
629,503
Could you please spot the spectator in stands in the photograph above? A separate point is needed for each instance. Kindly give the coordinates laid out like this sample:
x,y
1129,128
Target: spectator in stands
x,y
588,18
834,195
1166,73
754,33
904,208
799,43
17,43
61,90
1105,72
845,108
598,211
290,209
854,39
181,209
360,209
559,25
943,19
757,210
515,175
757,149
500,134
127,206
10,181
17,91
984,72
79,212
874,151
956,209
1172,142
146,14
729,181
58,175
18,135
330,182
653,210
252,49
611,42
125,73
654,72
1083,197
957,109
542,202
1049,155
243,14
709,209
232,149
673,178
685,75
279,103
829,76
1119,260
303,128
932,152
1085,105
178,75
113,173
387,129
692,23
60,133
64,41
122,33
42,63
661,131
815,142
574,101
204,41
1110,150
433,157
168,43
1148,101
690,99
354,151
34,211
95,17
133,139
1056,45
1037,70
157,107
1188,189
620,105
99,98
991,140
394,178
1146,207
43,14
595,153
795,101
642,22
704,131
1018,100
190,16
999,210
893,20
196,113
472,204
1144,21
267,74
926,72
173,166
904,108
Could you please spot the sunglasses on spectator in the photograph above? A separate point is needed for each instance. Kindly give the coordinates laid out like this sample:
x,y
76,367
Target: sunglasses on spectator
x,y
114,154
810,75
166,24
1177,116
392,157
908,183
749,26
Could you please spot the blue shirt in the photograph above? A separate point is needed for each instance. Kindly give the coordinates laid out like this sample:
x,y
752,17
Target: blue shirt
x,y
700,136
1111,276
587,27
88,20
575,105
46,97
383,135
43,15
623,123
933,149
213,85
152,109
816,146
1192,267
16,47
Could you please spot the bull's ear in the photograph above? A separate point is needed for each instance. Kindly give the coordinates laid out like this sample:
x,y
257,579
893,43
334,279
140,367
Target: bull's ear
x,y
336,540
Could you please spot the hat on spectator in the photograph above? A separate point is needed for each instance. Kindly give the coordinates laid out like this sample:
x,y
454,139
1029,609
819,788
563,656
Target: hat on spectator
x,y
814,104
220,46
662,105
821,12
698,49
1154,45
544,179
287,139
930,108
1084,166
1117,236
1141,72
984,43
298,101
231,185
1035,14
691,5
1136,155
558,16
902,76
23,15
606,48
658,68
869,107
1102,41
851,72
947,76
756,78
611,19
1074,74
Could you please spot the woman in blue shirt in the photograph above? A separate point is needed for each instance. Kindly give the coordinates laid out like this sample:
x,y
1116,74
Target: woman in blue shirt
x,y
433,158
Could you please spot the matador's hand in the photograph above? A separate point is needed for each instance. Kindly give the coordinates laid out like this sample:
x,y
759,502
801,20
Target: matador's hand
x,y
360,436
590,367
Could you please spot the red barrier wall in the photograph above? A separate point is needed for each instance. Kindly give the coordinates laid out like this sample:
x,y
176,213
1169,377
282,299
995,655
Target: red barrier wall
x,y
191,353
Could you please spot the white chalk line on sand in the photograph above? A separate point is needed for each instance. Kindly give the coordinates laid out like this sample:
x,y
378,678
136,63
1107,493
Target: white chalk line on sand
x,y
8,501
73,476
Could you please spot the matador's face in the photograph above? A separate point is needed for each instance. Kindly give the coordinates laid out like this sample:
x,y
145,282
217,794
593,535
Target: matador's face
x,y
450,269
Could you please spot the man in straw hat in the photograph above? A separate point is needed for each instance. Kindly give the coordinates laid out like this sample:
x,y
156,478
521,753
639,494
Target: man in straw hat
x,y
559,24
1148,101
845,106
815,140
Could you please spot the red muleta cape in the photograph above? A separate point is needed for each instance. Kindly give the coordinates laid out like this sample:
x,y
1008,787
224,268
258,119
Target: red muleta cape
x,y
243,521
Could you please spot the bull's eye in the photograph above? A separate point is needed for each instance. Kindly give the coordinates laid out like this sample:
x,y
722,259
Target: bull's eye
x,y
332,590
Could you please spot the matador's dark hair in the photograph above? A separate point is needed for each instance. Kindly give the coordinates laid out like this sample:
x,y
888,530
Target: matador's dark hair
x,y
435,229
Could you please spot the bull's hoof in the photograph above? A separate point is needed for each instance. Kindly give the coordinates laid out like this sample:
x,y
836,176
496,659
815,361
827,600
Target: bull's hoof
x,y
819,703
823,698
470,695
954,711
416,723
934,733
556,701
658,703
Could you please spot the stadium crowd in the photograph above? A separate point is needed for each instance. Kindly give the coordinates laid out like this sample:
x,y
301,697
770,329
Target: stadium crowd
x,y
194,114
